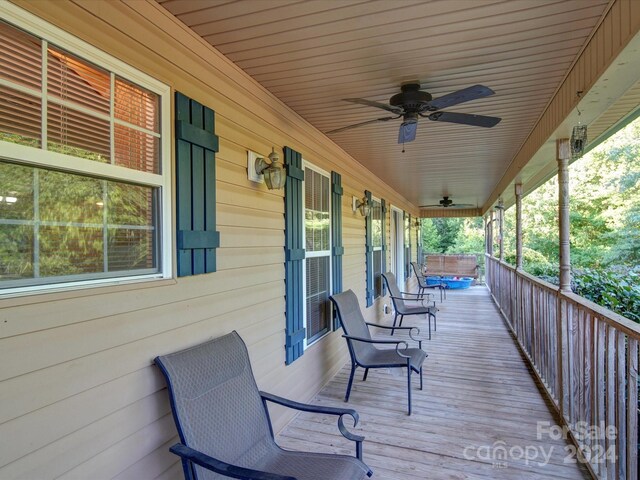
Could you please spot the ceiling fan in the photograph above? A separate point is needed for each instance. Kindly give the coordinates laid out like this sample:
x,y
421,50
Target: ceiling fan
x,y
446,202
412,103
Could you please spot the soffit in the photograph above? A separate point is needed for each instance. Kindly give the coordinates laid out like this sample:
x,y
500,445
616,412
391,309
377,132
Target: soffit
x,y
311,54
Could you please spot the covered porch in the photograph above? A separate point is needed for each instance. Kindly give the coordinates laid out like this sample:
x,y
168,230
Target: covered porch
x,y
481,415
511,362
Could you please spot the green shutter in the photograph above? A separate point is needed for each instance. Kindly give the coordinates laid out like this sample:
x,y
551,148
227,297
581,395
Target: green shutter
x,y
294,256
337,249
368,253
196,147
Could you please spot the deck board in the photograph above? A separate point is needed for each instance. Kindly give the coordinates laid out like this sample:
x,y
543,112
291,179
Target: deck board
x,y
478,390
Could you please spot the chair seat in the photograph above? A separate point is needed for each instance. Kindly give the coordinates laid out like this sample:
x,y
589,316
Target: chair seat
x,y
314,466
417,310
389,358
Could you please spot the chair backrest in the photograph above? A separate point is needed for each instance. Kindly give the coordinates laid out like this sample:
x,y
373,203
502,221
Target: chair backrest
x,y
353,322
216,404
394,291
422,281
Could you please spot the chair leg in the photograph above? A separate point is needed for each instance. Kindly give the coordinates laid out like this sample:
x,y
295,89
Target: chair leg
x,y
401,318
420,378
395,319
435,323
429,316
366,372
353,371
409,387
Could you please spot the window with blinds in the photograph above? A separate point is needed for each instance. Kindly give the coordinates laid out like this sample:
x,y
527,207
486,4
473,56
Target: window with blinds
x,y
407,246
317,232
376,241
63,218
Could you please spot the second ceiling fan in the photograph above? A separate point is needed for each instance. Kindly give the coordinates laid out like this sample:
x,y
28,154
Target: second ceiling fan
x,y
412,103
446,202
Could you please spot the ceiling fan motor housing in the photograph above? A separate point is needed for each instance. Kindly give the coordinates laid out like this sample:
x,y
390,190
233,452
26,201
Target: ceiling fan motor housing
x,y
411,99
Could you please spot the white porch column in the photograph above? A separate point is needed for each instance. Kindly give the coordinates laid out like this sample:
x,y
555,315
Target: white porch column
x,y
563,153
518,192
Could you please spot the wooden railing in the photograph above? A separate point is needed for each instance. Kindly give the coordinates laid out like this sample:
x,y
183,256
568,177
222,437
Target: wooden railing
x,y
585,356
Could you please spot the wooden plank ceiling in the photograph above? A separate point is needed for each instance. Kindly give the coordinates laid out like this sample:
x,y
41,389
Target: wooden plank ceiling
x,y
313,53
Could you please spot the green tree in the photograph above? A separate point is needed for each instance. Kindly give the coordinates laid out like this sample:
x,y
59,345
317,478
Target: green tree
x,y
430,236
448,230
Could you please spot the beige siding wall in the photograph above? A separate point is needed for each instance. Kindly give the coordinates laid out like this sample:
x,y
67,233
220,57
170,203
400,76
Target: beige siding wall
x,y
80,397
617,28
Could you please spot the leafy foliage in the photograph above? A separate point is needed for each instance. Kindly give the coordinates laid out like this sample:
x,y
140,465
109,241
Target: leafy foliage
x,y
617,291
605,227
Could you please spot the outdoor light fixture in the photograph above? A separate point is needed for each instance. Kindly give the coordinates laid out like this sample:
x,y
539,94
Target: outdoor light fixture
x,y
273,171
578,140
578,134
361,205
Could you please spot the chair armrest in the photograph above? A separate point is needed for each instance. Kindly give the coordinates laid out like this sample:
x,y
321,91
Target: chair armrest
x,y
223,468
418,295
410,329
305,407
382,342
421,300
340,412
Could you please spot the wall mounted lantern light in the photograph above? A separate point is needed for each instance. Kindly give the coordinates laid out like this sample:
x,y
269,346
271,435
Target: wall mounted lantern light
x,y
270,169
362,206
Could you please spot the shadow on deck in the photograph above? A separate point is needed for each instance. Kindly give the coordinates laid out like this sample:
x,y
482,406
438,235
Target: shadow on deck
x,y
478,417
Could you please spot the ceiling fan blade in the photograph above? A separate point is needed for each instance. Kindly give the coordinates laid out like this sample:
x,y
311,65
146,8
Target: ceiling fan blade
x,y
383,119
431,206
461,96
407,132
370,103
463,205
465,119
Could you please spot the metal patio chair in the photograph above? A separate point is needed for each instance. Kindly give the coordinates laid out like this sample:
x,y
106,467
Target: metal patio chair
x,y
224,425
423,284
402,309
363,349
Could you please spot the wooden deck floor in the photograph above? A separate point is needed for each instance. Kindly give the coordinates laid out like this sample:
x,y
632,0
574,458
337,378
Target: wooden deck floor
x,y
478,396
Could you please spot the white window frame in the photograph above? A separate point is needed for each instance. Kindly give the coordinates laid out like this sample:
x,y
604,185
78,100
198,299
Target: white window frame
x,y
375,248
306,165
397,245
41,158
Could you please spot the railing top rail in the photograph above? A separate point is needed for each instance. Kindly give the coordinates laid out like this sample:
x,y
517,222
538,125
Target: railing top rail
x,y
539,281
617,321
532,278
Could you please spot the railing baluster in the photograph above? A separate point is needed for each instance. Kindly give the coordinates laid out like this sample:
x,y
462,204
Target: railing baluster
x,y
588,374
632,407
610,389
598,392
621,417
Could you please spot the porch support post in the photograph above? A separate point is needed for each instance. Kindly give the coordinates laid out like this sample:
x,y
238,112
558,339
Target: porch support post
x,y
563,153
501,231
491,233
518,192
